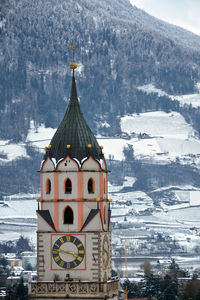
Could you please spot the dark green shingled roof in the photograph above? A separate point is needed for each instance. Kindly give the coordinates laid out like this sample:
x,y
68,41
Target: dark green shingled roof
x,y
74,131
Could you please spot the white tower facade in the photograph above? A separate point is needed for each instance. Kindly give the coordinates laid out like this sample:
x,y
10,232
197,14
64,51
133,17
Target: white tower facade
x,y
73,236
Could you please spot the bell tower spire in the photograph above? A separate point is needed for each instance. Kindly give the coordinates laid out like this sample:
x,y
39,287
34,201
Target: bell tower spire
x,y
73,66
73,88
74,131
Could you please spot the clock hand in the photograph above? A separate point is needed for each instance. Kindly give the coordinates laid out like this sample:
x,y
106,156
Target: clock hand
x,y
106,250
68,252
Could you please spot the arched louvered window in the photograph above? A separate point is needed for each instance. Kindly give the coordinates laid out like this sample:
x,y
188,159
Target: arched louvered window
x,y
90,186
68,186
48,186
68,215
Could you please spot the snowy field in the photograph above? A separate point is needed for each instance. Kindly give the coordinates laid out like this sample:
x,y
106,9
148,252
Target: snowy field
x,y
40,137
22,208
159,124
113,148
10,151
193,99
17,218
168,136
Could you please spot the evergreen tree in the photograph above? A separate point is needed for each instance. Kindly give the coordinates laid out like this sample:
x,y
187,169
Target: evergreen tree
x,y
152,287
23,244
17,291
169,288
21,290
191,290
134,290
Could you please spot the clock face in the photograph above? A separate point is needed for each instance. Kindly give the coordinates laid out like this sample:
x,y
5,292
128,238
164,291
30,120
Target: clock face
x,y
105,251
68,252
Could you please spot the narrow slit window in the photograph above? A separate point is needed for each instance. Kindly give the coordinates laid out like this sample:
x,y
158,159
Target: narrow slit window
x,y
48,186
68,216
105,216
68,186
90,186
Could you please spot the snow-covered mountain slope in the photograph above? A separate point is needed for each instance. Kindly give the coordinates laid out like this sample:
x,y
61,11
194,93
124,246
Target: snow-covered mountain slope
x,y
179,35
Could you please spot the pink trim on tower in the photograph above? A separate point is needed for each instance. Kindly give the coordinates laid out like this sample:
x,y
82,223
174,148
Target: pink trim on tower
x,y
80,197
41,190
101,197
101,185
106,185
56,196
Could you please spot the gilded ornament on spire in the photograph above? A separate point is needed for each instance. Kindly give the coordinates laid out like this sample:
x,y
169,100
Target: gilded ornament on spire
x,y
73,47
73,65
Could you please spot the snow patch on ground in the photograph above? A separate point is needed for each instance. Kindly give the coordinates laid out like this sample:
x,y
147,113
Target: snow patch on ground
x,y
130,203
179,188
128,182
40,136
21,208
150,88
193,99
10,151
168,137
113,148
103,124
194,198
157,124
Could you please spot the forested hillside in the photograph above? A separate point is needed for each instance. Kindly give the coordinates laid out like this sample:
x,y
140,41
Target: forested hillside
x,y
114,48
119,47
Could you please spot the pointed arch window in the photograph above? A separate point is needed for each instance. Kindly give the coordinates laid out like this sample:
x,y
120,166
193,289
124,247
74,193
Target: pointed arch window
x,y
91,186
48,186
104,186
68,215
68,186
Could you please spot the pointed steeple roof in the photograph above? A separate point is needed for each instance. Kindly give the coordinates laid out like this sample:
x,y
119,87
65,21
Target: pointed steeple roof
x,y
74,132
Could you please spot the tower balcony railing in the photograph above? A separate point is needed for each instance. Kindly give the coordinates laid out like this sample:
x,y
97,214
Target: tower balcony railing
x,y
67,289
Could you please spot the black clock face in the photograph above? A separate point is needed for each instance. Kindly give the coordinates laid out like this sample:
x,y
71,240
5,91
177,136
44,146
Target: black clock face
x,y
68,252
106,252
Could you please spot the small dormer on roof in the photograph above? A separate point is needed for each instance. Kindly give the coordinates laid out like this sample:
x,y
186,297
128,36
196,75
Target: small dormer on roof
x,y
74,137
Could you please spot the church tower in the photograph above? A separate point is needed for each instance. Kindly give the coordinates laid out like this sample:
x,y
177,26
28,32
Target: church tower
x,y
73,235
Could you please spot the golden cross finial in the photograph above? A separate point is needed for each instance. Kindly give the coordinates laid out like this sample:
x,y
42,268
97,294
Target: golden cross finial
x,y
73,49
73,65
